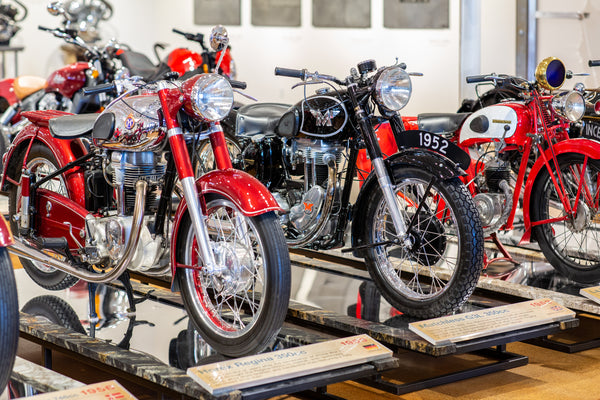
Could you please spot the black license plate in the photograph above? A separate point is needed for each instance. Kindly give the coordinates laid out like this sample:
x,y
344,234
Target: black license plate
x,y
435,143
591,130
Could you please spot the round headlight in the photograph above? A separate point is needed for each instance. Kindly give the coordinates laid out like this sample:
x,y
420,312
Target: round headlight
x,y
570,105
393,88
212,97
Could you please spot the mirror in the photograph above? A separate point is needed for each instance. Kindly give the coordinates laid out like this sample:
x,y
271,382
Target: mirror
x,y
550,73
55,8
218,38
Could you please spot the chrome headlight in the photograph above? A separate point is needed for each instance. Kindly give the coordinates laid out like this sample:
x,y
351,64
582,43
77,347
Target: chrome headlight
x,y
570,105
212,97
393,88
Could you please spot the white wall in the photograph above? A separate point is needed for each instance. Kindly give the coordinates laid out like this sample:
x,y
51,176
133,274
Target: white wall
x,y
257,50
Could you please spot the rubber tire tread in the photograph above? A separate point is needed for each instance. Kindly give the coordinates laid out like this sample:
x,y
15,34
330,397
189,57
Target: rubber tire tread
x,y
56,280
9,317
563,266
56,310
276,293
464,280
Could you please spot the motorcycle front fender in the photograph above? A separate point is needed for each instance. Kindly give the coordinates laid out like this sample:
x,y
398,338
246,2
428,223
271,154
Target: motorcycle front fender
x,y
64,151
437,165
586,147
6,238
242,189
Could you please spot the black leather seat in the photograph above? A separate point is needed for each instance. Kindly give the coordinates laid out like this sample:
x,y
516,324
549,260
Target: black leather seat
x,y
444,123
72,126
259,118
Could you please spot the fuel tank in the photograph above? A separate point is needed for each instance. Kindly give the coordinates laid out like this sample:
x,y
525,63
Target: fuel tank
x,y
318,116
68,79
511,121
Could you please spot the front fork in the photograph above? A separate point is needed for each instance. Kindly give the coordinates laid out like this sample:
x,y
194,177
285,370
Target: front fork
x,y
185,172
383,176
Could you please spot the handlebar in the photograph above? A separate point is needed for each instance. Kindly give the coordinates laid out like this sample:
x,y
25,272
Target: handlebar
x,y
292,73
195,37
103,88
481,78
237,84
594,63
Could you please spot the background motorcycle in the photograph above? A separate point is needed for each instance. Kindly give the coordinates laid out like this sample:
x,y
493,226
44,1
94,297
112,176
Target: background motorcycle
x,y
181,60
9,308
100,212
9,17
560,190
414,222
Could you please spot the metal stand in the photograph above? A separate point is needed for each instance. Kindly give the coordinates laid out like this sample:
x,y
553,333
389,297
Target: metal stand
x,y
11,49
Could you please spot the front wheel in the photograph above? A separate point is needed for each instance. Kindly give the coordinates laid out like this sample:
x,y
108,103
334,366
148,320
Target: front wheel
x,y
9,318
434,270
239,307
570,243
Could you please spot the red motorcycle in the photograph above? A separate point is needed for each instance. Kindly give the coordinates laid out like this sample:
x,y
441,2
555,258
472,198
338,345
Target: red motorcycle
x,y
94,214
559,186
181,60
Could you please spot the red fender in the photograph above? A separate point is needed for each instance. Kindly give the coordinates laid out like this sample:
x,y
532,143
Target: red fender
x,y
6,238
64,152
241,188
587,147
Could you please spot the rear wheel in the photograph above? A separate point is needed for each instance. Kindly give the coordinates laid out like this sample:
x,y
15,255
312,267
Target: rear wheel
x,y
240,306
41,162
570,243
9,318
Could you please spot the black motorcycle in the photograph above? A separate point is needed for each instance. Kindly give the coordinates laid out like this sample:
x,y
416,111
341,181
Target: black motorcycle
x,y
413,221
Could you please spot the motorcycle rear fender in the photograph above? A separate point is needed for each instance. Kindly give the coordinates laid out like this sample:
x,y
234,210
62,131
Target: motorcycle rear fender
x,y
242,189
6,238
586,147
64,151
59,216
439,166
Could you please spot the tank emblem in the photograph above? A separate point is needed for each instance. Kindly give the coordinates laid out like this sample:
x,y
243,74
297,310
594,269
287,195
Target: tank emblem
x,y
308,207
324,118
501,121
129,122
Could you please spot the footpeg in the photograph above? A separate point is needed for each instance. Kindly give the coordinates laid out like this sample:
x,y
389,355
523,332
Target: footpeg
x,y
52,243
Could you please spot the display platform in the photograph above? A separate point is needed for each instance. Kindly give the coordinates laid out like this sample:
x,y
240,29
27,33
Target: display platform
x,y
155,346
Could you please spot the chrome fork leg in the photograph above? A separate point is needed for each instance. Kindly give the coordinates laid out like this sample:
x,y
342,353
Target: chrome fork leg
x,y
199,222
390,197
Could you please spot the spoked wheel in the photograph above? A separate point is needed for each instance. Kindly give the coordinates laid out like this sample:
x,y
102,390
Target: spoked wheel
x,y
9,318
41,162
570,243
204,160
434,270
239,307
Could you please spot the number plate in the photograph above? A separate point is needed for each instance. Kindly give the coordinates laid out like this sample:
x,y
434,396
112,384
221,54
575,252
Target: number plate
x,y
436,143
591,130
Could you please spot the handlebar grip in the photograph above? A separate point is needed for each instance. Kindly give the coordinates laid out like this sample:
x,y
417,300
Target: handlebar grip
x,y
292,73
594,63
238,84
179,32
103,88
478,78
43,28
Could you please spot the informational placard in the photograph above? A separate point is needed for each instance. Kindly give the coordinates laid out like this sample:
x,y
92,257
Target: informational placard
x,y
222,377
109,390
490,321
212,12
341,13
592,293
416,14
276,12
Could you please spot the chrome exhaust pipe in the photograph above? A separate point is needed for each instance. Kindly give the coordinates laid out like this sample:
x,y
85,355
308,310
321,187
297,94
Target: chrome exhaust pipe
x,y
21,249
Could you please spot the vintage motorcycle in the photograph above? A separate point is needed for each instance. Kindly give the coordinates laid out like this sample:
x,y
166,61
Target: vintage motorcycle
x,y
10,16
414,222
63,88
91,215
9,308
522,150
